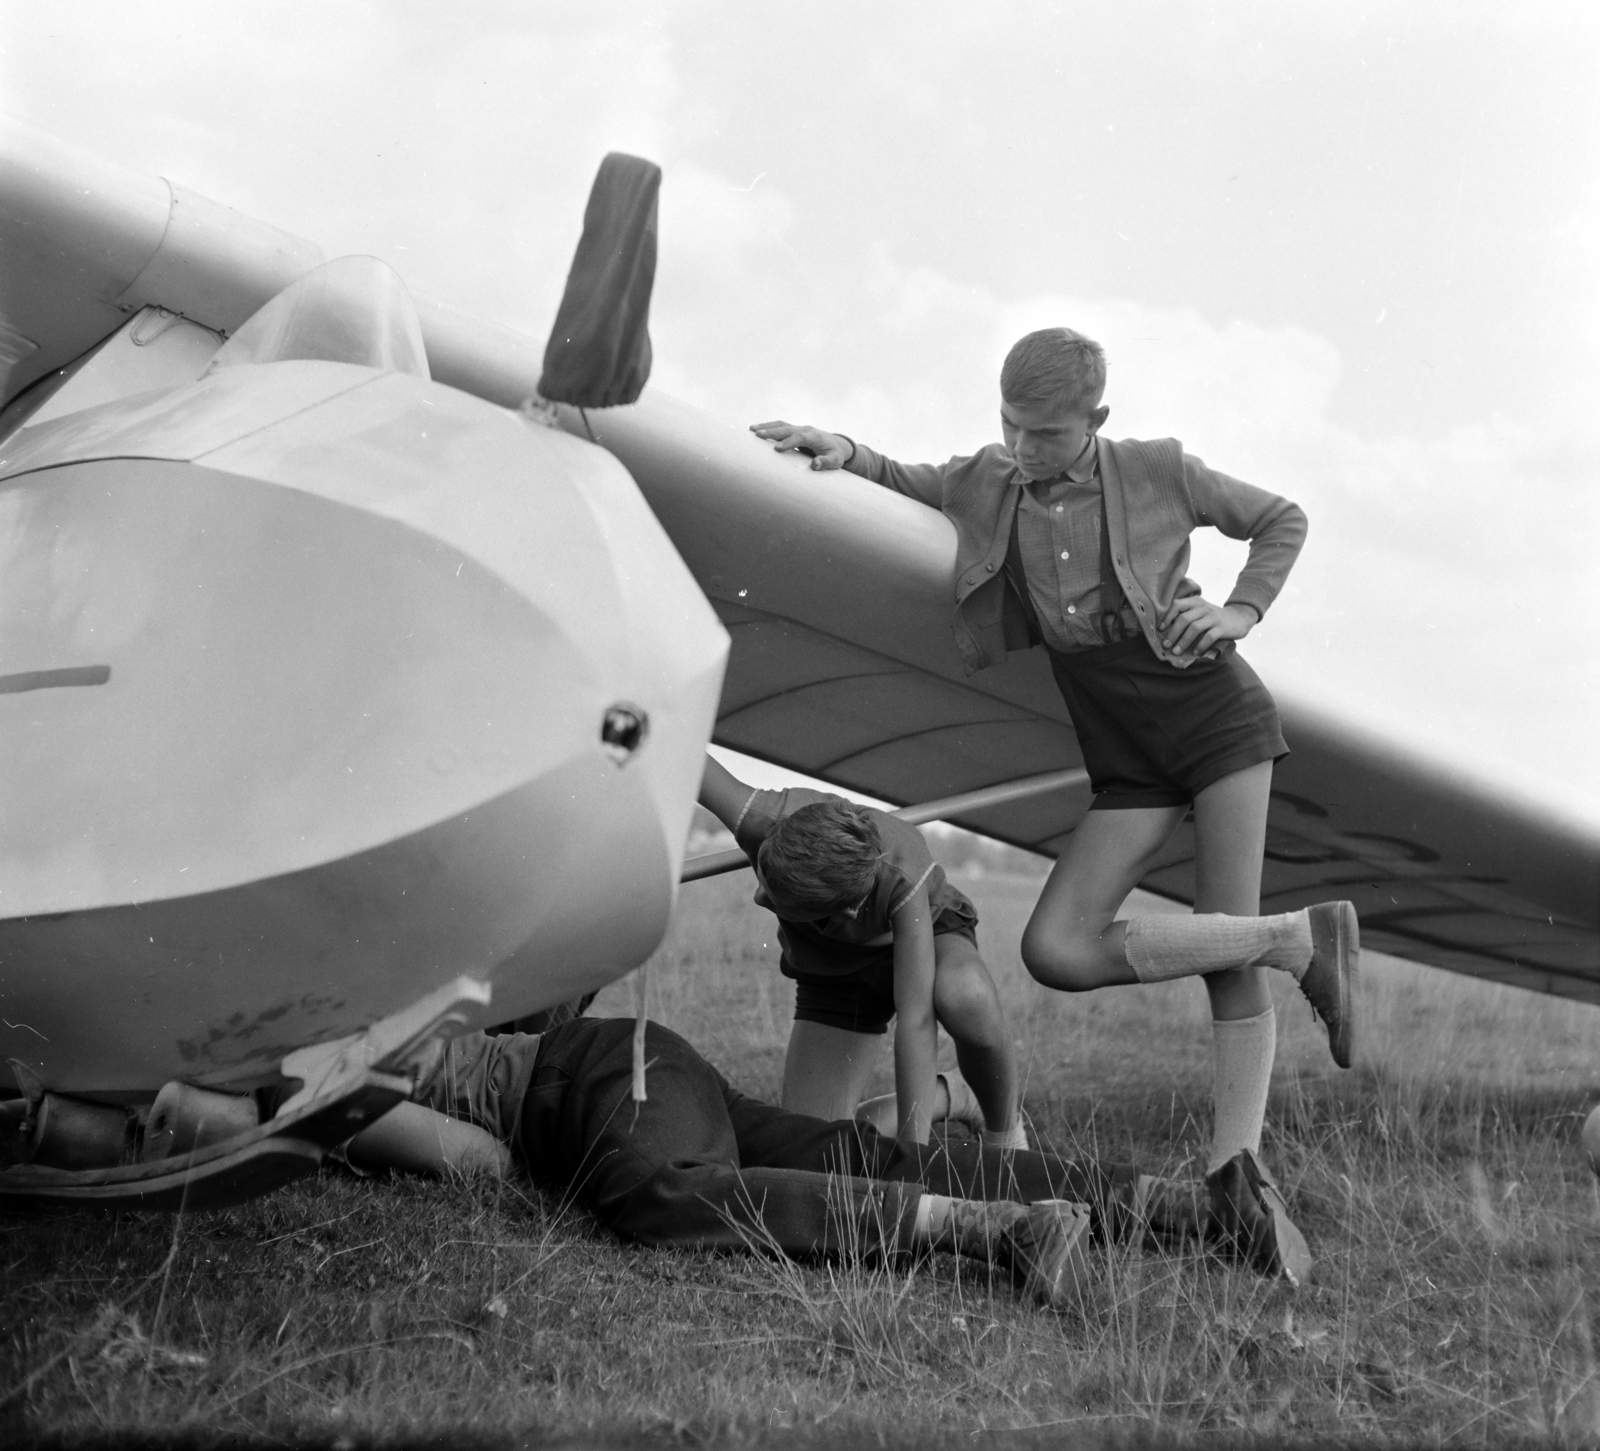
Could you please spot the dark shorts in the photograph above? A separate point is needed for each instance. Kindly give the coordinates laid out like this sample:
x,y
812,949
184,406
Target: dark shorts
x,y
1155,735
861,999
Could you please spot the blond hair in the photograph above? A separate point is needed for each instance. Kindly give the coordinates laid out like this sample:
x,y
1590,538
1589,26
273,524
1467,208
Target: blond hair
x,y
1054,365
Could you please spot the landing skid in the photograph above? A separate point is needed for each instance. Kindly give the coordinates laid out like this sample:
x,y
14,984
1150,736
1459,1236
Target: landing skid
x,y
345,1086
254,1162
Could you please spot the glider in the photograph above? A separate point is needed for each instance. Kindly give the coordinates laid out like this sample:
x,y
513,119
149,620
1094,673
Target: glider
x,y
357,659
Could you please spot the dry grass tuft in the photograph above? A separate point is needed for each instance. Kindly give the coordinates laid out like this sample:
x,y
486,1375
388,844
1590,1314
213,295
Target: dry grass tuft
x,y
1439,1183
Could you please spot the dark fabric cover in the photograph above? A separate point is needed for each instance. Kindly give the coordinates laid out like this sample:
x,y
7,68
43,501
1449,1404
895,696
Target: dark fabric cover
x,y
599,349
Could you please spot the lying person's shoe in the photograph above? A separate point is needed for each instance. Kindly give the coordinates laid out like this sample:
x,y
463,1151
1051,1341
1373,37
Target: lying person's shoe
x,y
1044,1250
1248,1218
1332,980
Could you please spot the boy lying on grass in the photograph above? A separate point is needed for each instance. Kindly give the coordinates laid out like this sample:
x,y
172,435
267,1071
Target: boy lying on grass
x,y
870,931
699,1165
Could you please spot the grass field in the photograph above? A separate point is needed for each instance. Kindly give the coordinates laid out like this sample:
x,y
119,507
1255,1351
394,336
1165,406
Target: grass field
x,y
1456,1229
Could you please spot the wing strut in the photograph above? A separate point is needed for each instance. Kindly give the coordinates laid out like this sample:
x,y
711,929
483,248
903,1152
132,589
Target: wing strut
x,y
716,863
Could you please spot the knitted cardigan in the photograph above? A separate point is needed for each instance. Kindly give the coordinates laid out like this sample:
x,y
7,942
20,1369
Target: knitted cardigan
x,y
1155,497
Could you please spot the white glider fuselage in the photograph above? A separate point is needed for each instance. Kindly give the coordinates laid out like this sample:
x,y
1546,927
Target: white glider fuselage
x,y
316,683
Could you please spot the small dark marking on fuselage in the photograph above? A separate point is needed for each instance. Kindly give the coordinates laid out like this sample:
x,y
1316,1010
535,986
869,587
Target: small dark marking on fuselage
x,y
239,1029
22,680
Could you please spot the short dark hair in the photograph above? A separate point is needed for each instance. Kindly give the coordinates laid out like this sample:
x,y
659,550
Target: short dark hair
x,y
822,857
1054,365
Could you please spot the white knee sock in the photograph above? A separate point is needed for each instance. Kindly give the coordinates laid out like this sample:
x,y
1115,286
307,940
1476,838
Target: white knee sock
x,y
1160,948
1015,1137
1241,1072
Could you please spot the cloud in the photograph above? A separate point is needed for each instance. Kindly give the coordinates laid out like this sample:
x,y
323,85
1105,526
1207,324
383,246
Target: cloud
x,y
458,144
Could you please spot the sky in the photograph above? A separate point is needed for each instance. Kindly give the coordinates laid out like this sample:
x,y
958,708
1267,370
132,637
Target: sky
x,y
1349,252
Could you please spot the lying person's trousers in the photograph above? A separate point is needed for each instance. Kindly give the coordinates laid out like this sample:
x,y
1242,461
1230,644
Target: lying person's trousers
x,y
700,1164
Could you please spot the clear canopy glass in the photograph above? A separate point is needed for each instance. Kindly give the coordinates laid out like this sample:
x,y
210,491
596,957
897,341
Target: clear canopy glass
x,y
349,310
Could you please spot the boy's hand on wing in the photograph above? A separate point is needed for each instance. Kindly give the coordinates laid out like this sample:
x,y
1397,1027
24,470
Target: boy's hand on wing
x,y
1193,625
827,450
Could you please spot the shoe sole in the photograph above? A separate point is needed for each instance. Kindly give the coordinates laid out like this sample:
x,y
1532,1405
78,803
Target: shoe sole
x,y
1292,1252
1336,935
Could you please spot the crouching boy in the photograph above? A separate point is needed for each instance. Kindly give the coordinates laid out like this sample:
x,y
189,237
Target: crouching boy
x,y
872,932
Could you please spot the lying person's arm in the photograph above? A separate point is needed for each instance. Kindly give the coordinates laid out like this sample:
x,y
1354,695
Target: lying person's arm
x,y
419,1140
915,1028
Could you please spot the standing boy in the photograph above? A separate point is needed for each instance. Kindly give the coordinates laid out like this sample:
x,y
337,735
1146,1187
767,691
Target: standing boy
x,y
1080,544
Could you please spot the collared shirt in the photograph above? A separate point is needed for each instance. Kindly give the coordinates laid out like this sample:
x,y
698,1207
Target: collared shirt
x,y
480,1079
1058,535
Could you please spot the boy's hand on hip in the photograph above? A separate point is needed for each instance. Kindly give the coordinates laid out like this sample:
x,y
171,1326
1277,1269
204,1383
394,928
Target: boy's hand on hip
x,y
827,450
1193,625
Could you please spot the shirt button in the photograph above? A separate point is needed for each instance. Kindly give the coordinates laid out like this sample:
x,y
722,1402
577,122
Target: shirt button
x,y
1065,555
1060,508
1072,609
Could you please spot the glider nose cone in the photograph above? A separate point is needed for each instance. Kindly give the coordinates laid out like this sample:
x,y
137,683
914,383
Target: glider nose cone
x,y
394,686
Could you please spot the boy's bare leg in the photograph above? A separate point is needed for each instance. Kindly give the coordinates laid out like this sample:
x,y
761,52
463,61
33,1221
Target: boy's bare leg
x,y
1072,941
968,1008
1230,838
966,1003
826,1069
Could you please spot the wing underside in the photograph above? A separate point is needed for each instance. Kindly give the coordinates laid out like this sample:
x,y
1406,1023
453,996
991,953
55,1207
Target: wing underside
x,y
1440,874
834,593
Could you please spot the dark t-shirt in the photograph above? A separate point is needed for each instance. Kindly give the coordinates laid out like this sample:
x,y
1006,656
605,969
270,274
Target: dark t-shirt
x,y
840,944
